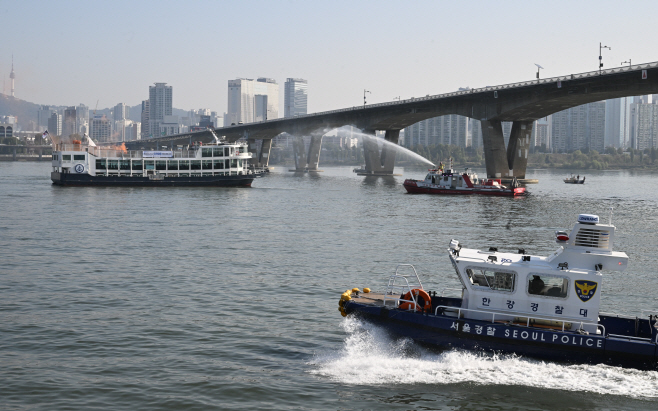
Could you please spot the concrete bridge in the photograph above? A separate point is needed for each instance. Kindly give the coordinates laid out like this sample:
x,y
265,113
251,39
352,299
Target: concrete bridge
x,y
520,103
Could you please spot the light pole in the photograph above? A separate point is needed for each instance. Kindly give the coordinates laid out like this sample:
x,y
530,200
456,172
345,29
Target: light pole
x,y
364,97
629,62
538,68
601,58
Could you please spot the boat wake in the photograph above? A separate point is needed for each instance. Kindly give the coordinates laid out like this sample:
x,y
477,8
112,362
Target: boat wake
x,y
370,356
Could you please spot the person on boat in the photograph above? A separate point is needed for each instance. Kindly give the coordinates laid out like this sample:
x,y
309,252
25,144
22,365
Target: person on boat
x,y
578,177
536,285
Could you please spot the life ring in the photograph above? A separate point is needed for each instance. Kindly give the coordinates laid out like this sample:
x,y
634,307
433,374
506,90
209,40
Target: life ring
x,y
423,300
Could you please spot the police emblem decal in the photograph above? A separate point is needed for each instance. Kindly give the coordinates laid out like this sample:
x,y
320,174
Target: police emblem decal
x,y
79,168
585,290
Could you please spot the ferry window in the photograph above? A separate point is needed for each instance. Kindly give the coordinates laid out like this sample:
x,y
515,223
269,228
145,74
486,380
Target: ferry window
x,y
66,157
149,165
172,165
232,150
206,152
184,165
137,165
495,280
101,164
79,157
124,164
112,164
206,164
548,285
234,163
219,164
217,151
227,163
225,151
239,163
55,157
161,164
195,164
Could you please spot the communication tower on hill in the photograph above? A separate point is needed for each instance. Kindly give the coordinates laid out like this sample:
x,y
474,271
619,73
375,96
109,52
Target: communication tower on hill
x,y
12,76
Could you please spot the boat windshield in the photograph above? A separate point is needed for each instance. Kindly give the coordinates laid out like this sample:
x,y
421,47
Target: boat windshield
x,y
495,280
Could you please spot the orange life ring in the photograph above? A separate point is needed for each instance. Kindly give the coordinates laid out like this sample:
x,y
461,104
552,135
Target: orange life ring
x,y
423,300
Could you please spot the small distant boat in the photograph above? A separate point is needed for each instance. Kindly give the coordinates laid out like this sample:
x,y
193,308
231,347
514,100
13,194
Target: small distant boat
x,y
449,181
574,180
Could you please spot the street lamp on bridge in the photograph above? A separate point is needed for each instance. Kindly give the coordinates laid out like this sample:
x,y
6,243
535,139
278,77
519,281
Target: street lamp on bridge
x,y
601,58
364,97
629,62
538,68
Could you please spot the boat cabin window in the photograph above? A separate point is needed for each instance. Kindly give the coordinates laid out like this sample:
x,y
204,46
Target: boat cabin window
x,y
55,157
161,164
184,165
494,280
225,151
66,157
206,152
137,164
112,164
101,164
124,164
219,164
172,164
79,157
149,165
218,151
206,164
548,285
195,164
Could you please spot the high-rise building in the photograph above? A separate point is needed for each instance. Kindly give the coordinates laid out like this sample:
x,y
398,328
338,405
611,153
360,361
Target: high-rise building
x,y
579,128
69,122
119,112
451,129
146,111
55,124
100,129
160,105
245,107
295,97
541,132
43,115
645,126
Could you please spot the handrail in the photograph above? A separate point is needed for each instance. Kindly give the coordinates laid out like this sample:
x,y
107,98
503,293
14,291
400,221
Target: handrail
x,y
452,289
406,286
493,317
628,337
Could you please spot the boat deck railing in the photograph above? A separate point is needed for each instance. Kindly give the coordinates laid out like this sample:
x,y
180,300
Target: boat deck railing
x,y
516,314
399,284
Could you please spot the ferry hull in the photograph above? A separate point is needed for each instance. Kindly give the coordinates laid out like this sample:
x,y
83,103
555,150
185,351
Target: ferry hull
x,y
413,188
449,332
62,179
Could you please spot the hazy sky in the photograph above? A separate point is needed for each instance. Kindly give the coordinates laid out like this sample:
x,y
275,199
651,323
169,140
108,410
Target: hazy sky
x,y
72,52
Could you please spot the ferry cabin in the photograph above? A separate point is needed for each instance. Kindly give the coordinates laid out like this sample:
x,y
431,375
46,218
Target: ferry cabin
x,y
559,291
207,160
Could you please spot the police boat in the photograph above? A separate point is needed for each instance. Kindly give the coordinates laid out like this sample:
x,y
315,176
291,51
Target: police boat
x,y
536,306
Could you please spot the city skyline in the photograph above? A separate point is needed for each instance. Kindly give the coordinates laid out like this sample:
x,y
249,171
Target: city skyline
x,y
395,49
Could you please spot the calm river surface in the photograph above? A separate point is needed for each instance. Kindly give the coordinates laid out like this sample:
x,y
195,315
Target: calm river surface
x,y
194,298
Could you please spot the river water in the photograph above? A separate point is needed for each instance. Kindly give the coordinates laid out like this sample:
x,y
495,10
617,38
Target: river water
x,y
189,298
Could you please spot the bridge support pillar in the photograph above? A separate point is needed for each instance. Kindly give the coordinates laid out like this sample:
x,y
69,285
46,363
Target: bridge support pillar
x,y
314,148
518,148
260,158
299,153
493,143
40,153
14,151
379,162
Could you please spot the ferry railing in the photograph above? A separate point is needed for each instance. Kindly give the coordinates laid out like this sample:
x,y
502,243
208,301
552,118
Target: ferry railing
x,y
516,314
403,286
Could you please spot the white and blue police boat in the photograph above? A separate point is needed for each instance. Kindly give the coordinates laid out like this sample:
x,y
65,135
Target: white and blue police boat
x,y
218,164
536,306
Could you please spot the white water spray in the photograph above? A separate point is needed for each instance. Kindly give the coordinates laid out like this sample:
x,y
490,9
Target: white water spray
x,y
370,356
396,147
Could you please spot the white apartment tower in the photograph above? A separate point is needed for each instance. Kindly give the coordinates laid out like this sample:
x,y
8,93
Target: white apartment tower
x,y
252,100
295,97
160,105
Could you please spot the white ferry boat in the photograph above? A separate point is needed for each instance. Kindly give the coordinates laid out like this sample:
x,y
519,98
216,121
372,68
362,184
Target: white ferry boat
x,y
541,306
218,164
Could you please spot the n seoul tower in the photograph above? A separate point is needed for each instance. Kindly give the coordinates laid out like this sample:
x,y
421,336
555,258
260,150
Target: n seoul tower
x,y
12,76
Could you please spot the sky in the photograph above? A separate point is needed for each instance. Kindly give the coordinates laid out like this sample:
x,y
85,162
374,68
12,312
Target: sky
x,y
72,52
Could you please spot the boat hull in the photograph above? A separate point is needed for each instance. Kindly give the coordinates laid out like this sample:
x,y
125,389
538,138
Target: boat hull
x,y
450,332
412,188
62,179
